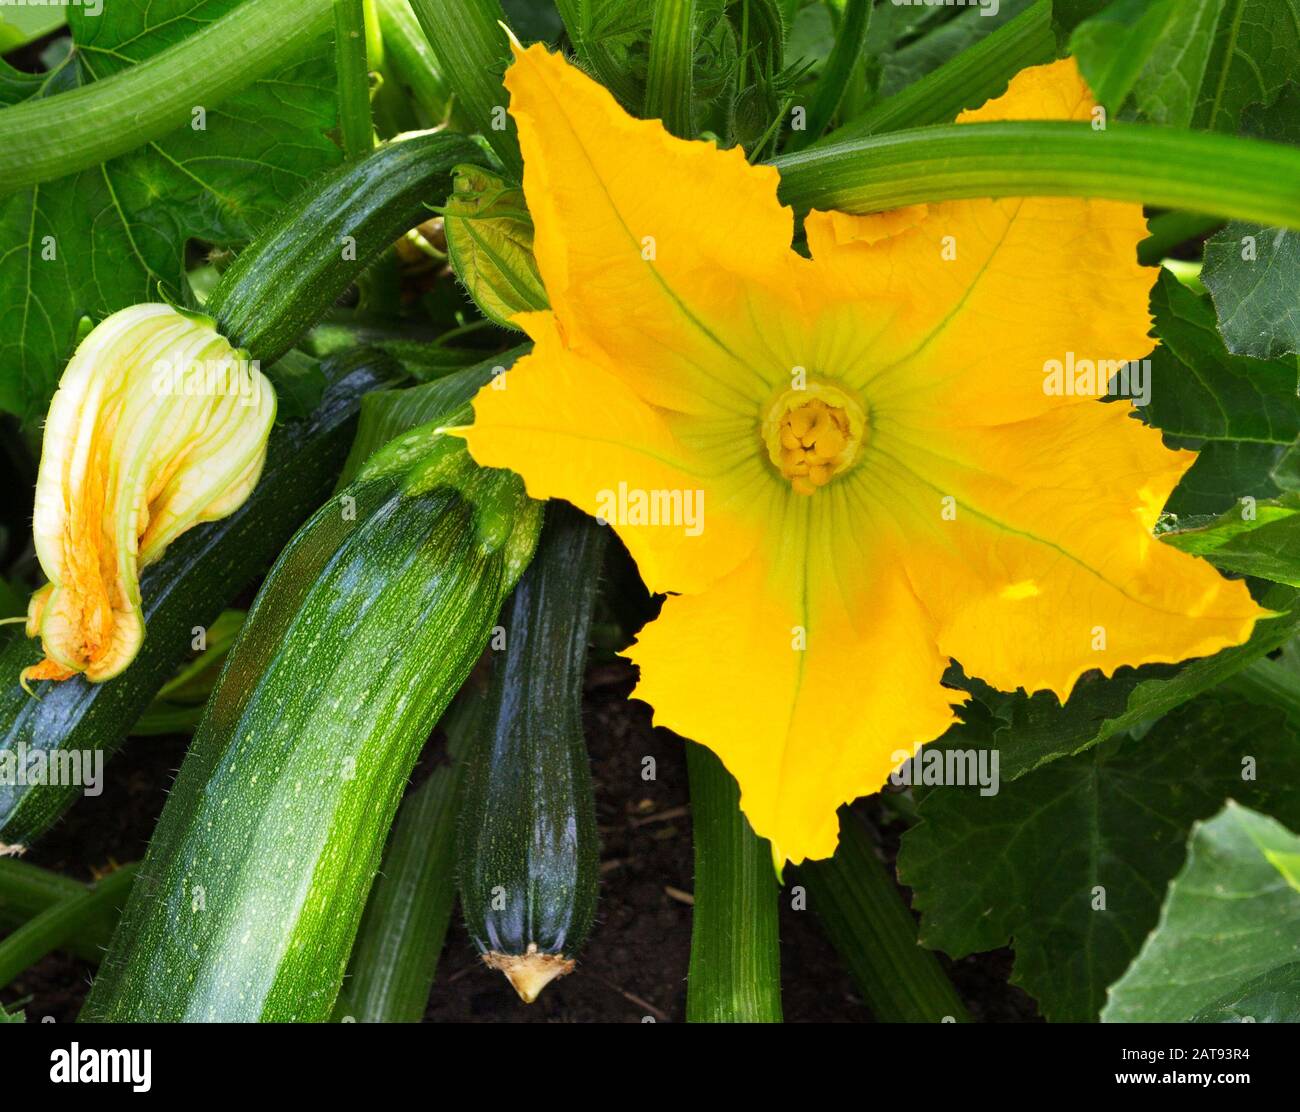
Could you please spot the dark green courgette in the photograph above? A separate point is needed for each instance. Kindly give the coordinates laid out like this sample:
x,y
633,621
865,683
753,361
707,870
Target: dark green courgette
x,y
67,724
292,275
529,852
255,881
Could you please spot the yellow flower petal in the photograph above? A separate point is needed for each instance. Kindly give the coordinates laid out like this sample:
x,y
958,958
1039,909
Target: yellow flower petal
x,y
1033,584
157,425
592,441
811,670
966,301
633,269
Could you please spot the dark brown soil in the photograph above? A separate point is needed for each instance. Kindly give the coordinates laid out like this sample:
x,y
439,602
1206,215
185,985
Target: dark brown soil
x,y
635,964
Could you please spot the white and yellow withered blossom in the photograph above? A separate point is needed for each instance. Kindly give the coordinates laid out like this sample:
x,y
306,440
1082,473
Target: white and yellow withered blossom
x,y
158,425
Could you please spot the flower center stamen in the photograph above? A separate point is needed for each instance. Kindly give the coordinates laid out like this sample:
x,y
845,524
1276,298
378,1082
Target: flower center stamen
x,y
813,434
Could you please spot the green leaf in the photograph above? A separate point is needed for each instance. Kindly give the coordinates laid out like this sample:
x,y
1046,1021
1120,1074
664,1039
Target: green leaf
x,y
16,86
113,235
1253,272
19,26
1199,389
1230,920
1272,997
299,383
1069,863
13,600
812,37
1274,680
1242,414
1189,63
12,1017
1225,472
966,81
1037,729
944,42
1258,538
1156,52
1068,14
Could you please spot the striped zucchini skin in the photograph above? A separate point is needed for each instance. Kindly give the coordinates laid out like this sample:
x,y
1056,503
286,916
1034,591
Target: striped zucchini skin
x,y
291,276
200,574
257,876
528,848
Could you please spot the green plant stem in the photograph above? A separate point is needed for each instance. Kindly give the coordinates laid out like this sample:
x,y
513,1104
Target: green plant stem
x,y
356,127
28,890
45,139
735,969
1169,230
672,63
407,51
1223,175
968,80
857,901
62,921
463,330
472,52
834,80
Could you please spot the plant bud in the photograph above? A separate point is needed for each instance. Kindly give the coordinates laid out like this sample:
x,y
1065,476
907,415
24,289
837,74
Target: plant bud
x,y
490,241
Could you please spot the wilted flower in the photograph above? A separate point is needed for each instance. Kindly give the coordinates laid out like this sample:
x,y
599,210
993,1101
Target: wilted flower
x,y
158,424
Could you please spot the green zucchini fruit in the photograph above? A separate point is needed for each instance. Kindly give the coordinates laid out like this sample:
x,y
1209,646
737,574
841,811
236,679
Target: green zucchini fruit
x,y
528,848
290,277
69,724
254,884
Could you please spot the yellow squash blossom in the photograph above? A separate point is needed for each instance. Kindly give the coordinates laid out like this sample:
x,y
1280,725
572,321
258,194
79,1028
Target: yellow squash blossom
x,y
158,424
848,470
